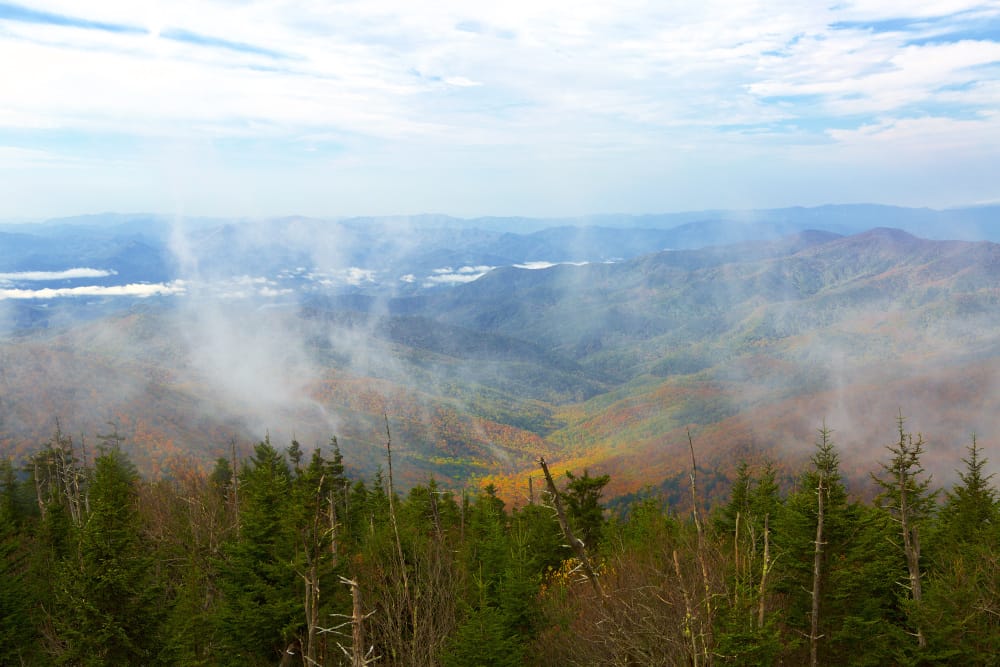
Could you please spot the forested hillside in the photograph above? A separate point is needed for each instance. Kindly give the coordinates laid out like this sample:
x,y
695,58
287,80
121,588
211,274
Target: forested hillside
x,y
601,365
280,557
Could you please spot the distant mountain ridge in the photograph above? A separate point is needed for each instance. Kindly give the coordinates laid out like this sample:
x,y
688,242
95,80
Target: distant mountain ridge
x,y
595,363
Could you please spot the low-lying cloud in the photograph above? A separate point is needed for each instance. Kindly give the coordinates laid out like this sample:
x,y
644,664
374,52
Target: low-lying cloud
x,y
535,266
449,276
67,274
137,290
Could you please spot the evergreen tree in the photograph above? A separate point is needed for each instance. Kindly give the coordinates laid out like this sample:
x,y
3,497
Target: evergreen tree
x,y
260,610
907,498
107,591
961,609
17,634
582,496
312,520
194,518
812,537
971,511
747,632
484,639
862,598
501,615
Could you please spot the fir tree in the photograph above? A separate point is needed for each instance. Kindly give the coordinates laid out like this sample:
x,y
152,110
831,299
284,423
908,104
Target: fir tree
x,y
16,631
106,585
907,498
260,611
971,511
582,496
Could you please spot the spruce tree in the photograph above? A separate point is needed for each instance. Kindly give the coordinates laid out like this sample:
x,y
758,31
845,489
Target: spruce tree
x,y
582,496
107,592
961,608
260,607
971,511
909,502
747,633
16,632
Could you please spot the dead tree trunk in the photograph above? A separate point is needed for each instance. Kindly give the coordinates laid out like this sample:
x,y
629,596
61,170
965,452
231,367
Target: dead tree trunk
x,y
407,597
814,635
575,544
701,555
358,656
911,548
765,569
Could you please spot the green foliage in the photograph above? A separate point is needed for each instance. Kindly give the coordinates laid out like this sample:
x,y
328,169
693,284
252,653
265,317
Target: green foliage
x,y
208,569
259,614
971,511
106,593
483,640
582,497
961,606
17,633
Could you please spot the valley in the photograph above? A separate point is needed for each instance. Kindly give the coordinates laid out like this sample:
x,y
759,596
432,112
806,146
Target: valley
x,y
596,347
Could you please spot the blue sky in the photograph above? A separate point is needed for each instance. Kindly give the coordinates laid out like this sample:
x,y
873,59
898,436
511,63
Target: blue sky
x,y
267,107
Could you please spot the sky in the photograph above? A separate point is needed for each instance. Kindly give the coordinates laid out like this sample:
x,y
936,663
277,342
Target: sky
x,y
378,107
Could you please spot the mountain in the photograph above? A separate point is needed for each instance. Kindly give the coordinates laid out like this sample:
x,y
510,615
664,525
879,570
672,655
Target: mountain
x,y
757,342
600,355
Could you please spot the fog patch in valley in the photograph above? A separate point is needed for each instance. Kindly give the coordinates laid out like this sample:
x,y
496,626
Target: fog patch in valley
x,y
261,317
67,274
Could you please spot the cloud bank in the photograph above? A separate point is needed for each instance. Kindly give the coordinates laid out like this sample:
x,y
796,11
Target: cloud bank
x,y
138,290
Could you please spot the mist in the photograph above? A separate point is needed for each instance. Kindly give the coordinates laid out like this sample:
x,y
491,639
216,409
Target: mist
x,y
595,347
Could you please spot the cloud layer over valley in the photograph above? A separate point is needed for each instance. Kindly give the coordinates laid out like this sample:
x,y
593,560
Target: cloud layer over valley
x,y
527,344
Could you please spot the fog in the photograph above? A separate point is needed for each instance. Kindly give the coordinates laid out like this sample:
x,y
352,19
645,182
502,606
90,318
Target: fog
x,y
307,329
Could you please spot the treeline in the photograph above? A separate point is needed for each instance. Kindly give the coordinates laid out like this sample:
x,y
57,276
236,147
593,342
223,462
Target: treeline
x,y
281,559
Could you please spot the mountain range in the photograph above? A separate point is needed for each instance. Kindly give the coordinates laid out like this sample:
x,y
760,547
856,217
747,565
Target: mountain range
x,y
600,343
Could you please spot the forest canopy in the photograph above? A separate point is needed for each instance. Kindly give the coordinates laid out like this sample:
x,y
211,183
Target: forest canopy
x,y
282,558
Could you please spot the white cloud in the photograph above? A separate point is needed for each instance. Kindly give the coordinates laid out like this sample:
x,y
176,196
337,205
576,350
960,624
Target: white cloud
x,y
317,107
465,274
462,82
139,290
932,138
68,274
534,266
272,292
356,276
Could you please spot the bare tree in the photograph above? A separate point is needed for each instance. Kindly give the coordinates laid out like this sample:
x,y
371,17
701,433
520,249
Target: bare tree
x,y
575,543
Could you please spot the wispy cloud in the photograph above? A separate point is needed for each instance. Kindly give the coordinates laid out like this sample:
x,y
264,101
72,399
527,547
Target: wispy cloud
x,y
12,12
519,107
136,290
180,35
67,274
